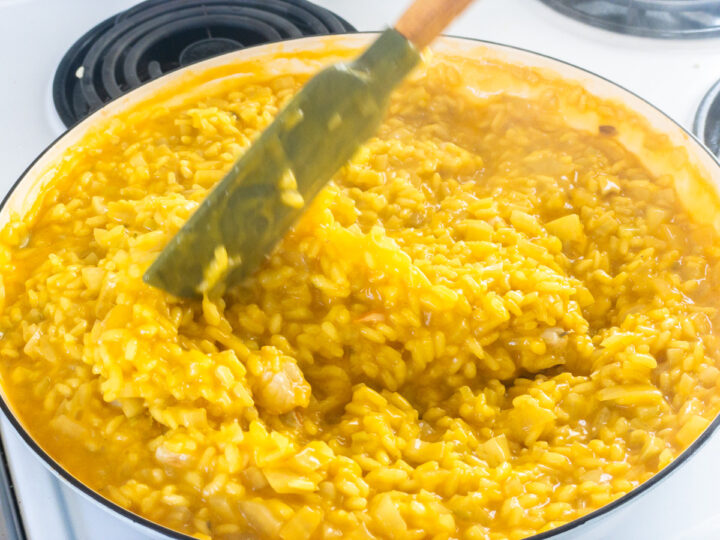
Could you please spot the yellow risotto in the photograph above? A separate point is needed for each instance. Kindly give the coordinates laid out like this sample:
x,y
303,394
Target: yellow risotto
x,y
489,324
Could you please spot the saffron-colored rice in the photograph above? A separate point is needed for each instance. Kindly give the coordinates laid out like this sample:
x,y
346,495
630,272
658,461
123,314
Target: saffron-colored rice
x,y
491,323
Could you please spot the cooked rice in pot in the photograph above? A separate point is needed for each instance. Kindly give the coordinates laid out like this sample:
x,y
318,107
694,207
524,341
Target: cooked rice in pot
x,y
491,323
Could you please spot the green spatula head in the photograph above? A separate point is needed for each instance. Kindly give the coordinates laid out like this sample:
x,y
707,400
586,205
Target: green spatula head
x,y
255,204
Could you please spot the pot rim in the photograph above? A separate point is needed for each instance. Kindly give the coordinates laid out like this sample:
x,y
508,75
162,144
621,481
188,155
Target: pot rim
x,y
98,499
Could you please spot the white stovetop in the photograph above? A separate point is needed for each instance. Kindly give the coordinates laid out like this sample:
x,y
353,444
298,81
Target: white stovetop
x,y
34,34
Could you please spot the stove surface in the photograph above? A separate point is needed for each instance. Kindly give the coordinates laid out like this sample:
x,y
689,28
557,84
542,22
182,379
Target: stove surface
x,y
673,75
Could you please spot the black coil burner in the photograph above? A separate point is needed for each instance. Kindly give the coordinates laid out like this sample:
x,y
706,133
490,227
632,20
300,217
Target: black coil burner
x,y
158,36
668,19
707,119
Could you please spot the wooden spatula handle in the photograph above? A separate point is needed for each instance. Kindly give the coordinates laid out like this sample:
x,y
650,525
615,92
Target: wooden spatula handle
x,y
425,19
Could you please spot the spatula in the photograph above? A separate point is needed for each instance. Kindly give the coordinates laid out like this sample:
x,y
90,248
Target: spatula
x,y
268,188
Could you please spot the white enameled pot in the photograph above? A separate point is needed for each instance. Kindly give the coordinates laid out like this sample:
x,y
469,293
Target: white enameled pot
x,y
596,525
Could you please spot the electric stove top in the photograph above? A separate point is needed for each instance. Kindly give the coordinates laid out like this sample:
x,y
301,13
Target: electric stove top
x,y
158,36
671,19
61,60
